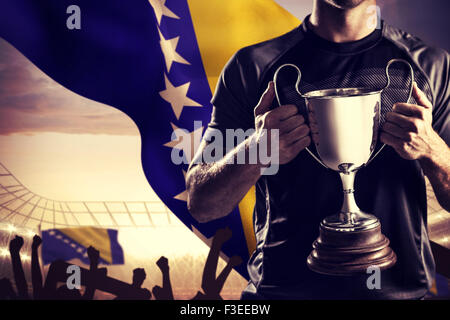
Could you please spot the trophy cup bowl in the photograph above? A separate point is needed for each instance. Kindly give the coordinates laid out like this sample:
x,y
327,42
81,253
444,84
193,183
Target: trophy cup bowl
x,y
344,127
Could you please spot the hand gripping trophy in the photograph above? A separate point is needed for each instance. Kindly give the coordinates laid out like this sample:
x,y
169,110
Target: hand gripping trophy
x,y
344,126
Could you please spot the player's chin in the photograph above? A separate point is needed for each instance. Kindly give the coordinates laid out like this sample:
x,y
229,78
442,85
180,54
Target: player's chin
x,y
345,4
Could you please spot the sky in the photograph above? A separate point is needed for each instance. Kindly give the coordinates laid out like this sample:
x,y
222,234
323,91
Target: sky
x,y
65,147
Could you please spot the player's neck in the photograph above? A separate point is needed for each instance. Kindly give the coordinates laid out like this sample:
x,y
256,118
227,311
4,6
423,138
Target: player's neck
x,y
343,25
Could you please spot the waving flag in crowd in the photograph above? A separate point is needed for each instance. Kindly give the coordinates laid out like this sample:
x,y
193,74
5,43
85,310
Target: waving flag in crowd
x,y
157,61
72,243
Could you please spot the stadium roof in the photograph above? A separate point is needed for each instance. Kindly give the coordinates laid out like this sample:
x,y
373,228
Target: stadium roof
x,y
21,207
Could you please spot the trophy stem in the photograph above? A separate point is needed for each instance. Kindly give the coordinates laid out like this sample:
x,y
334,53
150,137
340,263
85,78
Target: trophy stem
x,y
350,218
349,209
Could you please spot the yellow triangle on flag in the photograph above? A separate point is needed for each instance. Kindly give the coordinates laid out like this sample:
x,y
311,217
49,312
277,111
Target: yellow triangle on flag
x,y
223,27
433,289
91,236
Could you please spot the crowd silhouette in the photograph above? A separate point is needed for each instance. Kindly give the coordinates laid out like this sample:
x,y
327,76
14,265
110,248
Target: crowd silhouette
x,y
55,286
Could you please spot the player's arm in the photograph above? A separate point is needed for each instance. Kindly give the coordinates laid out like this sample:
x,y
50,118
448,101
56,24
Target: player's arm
x,y
408,129
437,168
214,189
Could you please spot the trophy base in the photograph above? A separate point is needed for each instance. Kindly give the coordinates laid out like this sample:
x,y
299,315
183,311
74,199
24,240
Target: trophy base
x,y
350,252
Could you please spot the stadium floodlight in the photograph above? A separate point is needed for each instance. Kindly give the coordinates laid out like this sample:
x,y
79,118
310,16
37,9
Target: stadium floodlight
x,y
30,233
3,252
11,228
25,257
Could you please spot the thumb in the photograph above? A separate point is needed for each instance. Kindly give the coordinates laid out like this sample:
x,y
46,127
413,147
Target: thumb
x,y
420,97
266,100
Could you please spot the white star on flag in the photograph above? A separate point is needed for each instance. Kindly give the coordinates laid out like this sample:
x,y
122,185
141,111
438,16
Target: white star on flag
x,y
169,47
183,195
161,10
186,141
177,96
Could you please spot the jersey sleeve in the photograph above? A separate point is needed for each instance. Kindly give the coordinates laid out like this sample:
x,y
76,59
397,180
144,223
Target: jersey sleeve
x,y
441,109
231,106
231,109
434,63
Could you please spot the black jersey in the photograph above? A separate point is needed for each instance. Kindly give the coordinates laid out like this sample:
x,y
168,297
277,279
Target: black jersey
x,y
291,204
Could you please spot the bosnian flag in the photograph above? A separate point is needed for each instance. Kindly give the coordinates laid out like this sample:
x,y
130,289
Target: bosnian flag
x,y
158,61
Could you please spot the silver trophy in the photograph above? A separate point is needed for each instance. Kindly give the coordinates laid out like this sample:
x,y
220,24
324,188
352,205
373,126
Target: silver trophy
x,y
344,127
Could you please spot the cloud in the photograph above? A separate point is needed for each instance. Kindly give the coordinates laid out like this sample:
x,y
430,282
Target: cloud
x,y
31,102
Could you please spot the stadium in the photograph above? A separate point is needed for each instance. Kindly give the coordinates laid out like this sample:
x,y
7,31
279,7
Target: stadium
x,y
147,231
143,226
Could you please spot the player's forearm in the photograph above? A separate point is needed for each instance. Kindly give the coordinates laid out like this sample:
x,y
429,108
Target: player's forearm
x,y
215,189
436,167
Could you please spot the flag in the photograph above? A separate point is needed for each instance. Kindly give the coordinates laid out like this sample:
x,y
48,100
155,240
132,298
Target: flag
x,y
71,243
158,61
440,288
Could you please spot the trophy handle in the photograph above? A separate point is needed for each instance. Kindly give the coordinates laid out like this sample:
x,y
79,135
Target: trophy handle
x,y
388,82
297,83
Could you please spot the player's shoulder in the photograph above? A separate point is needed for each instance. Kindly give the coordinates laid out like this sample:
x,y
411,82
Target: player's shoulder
x,y
269,50
260,56
431,61
428,57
